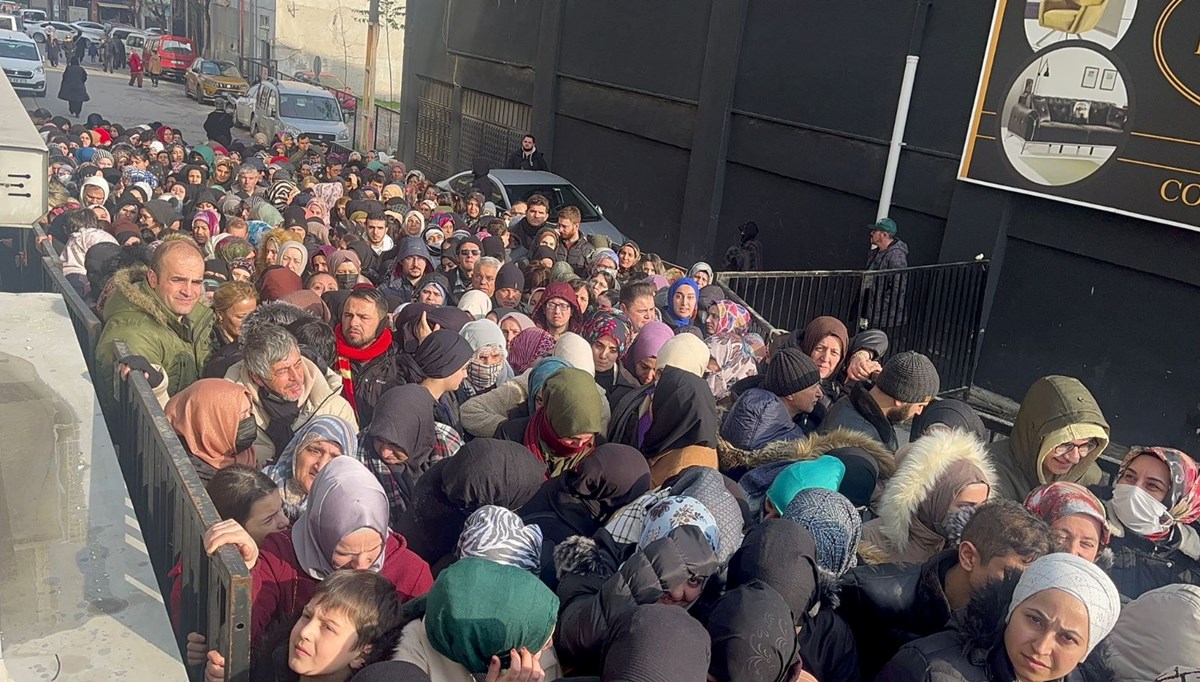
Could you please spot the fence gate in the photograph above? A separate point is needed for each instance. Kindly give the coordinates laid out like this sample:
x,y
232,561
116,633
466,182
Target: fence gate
x,y
434,114
492,127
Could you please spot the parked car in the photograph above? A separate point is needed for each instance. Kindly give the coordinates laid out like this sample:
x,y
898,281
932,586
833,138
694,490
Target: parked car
x,y
509,186
240,106
295,107
22,63
206,78
12,22
134,42
175,53
343,93
154,31
89,31
28,15
38,29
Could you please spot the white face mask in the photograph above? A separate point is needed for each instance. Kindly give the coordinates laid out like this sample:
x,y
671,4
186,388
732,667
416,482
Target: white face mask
x,y
1140,512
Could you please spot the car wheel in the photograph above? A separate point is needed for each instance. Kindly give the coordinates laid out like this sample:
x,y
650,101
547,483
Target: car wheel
x,y
39,37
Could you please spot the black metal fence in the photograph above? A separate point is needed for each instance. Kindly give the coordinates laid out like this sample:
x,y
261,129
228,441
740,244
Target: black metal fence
x,y
933,309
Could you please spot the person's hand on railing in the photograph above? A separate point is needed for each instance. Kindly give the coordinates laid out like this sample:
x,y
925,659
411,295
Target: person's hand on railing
x,y
524,666
861,367
230,532
197,648
214,671
136,362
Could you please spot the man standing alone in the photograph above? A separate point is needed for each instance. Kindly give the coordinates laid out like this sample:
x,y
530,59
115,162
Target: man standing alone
x,y
527,157
885,307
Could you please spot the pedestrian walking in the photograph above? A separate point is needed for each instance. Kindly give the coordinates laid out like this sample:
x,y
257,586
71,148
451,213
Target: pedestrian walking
x,y
73,89
79,49
52,47
93,51
154,68
135,69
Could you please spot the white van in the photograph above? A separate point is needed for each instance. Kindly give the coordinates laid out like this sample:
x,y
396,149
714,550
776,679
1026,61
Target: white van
x,y
11,22
22,62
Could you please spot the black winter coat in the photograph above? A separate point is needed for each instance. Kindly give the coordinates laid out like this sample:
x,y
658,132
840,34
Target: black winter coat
x,y
890,605
972,650
858,411
72,88
617,383
371,379
595,588
1140,565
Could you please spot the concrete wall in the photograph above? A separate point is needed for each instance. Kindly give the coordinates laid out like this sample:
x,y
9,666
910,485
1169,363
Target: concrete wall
x,y
332,30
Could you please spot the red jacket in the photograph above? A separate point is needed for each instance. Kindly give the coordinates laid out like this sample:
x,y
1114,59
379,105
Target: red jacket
x,y
282,588
135,63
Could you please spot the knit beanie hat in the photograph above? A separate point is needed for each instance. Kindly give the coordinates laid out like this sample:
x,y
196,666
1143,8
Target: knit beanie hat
x,y
909,377
834,524
1079,578
791,371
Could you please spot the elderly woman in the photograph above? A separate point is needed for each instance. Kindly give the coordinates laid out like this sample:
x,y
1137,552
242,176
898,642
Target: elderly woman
x,y
1044,626
488,367
1076,517
312,448
703,274
294,257
1156,504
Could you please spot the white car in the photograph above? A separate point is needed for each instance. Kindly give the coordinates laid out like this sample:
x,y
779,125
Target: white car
x,y
66,33
241,106
90,30
22,63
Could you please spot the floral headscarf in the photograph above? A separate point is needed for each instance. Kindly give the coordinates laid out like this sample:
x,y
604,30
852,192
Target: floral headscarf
x,y
1183,499
674,512
255,231
734,363
730,318
603,323
1053,501
529,346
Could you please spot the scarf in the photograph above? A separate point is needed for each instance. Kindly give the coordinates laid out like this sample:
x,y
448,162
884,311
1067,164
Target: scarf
x,y
347,355
570,406
281,414
1183,499
728,318
734,363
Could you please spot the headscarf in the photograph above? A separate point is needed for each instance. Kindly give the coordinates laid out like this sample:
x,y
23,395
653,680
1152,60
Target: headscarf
x,y
486,335
1140,646
310,302
647,344
345,497
542,371
753,635
341,256
782,554
523,321
499,535
734,363
403,417
686,352
297,247
1059,499
834,523
706,485
475,302
440,355
478,609
256,230
602,323
674,319
656,643
563,292
528,347
1183,499
576,351
570,406
1079,578
580,501
78,244
599,255
684,414
328,193
278,282
676,511
821,327
823,472
730,318
205,415
701,266
326,428
280,193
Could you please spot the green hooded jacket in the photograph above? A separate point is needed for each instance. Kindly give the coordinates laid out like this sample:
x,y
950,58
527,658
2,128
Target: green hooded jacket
x,y
1055,410
135,314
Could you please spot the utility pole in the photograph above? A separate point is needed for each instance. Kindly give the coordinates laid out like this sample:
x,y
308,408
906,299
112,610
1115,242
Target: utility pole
x,y
366,135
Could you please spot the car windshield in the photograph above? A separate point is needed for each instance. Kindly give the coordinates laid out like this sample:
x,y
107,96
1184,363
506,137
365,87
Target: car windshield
x,y
15,49
219,69
560,196
176,47
310,107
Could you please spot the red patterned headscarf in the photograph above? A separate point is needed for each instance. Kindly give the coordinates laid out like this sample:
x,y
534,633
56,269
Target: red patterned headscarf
x,y
729,318
1183,499
1053,501
602,323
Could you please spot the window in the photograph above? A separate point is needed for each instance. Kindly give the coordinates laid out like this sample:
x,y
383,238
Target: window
x,y
310,107
177,47
217,69
16,49
559,196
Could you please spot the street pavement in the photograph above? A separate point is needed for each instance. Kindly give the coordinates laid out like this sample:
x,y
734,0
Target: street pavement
x,y
113,98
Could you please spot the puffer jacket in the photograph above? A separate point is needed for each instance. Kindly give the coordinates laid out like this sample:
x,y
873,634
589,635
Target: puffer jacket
x,y
1140,565
135,314
398,285
322,396
858,411
1142,648
890,605
758,418
595,588
1055,410
972,650
923,462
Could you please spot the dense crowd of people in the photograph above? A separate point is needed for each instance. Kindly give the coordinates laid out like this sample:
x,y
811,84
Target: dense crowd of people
x,y
454,441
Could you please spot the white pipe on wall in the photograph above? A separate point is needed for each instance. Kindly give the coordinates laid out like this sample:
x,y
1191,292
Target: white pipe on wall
x,y
897,142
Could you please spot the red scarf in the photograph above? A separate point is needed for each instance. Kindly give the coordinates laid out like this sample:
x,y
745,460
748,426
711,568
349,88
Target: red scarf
x,y
347,354
541,440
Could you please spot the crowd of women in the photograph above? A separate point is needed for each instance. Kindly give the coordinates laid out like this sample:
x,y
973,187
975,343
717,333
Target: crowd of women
x,y
458,441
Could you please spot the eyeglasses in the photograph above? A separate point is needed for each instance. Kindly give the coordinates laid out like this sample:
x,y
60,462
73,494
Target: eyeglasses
x,y
1084,450
557,307
469,252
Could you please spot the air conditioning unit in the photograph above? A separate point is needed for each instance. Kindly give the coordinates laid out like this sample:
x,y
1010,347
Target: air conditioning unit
x,y
24,161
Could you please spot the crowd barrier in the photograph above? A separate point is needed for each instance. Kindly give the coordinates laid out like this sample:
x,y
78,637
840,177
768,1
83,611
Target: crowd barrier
x,y
933,309
172,507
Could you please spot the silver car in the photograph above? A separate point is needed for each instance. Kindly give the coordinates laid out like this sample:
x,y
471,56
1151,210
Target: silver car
x,y
516,185
294,107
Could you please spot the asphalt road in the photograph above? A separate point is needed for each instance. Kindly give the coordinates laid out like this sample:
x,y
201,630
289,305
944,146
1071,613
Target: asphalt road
x,y
114,99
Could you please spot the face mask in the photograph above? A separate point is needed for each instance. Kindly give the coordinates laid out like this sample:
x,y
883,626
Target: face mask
x,y
483,376
247,431
346,281
1140,512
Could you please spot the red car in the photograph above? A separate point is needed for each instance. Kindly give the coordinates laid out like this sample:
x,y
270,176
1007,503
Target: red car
x,y
341,92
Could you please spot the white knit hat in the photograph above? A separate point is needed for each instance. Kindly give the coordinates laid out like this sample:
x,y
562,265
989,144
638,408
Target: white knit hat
x,y
1079,578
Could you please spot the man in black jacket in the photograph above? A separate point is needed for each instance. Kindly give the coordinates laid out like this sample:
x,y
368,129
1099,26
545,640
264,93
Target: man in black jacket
x,y
366,357
527,157
908,383
889,605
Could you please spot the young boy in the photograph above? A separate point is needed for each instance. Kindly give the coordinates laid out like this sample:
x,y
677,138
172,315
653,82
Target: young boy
x,y
352,620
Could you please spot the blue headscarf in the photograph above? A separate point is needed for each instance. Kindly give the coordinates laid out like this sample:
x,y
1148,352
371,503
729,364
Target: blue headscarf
x,y
255,231
676,511
541,372
681,321
326,428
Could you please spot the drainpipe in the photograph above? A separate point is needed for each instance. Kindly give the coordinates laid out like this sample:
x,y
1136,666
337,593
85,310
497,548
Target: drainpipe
x,y
906,90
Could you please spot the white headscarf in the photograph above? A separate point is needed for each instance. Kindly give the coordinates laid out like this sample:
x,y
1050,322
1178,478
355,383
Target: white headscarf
x,y
576,351
1079,578
475,302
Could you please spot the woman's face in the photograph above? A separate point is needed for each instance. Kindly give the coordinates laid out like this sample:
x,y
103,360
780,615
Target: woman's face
x,y
549,240
266,517
599,284
473,208
85,139
510,328
231,320
205,205
200,232
1047,636
1078,534
412,226
434,239
222,174
389,452
163,157
179,190
584,298
1150,474
292,260
684,302
271,255
558,313
432,296
646,370
322,282
320,263
627,257
176,154
194,176
710,322
311,459
827,354
358,550
971,495
128,211
347,268
431,193
604,352
685,594
701,278
648,268
240,275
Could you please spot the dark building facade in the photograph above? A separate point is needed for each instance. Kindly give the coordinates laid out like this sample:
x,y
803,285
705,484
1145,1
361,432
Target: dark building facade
x,y
685,118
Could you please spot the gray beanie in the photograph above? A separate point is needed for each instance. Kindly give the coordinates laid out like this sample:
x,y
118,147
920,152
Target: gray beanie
x,y
790,371
909,377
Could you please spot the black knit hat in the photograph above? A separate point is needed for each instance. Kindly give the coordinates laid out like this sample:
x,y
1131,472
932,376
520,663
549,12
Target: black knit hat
x,y
791,371
909,377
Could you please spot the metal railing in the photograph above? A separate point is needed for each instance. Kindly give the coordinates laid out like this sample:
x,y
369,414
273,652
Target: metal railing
x,y
933,309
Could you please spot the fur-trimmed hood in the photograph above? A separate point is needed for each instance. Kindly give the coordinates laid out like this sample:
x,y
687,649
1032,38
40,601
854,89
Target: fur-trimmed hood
x,y
927,459
810,448
130,284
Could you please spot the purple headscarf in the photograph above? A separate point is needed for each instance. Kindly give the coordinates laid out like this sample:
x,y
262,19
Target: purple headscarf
x,y
345,497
